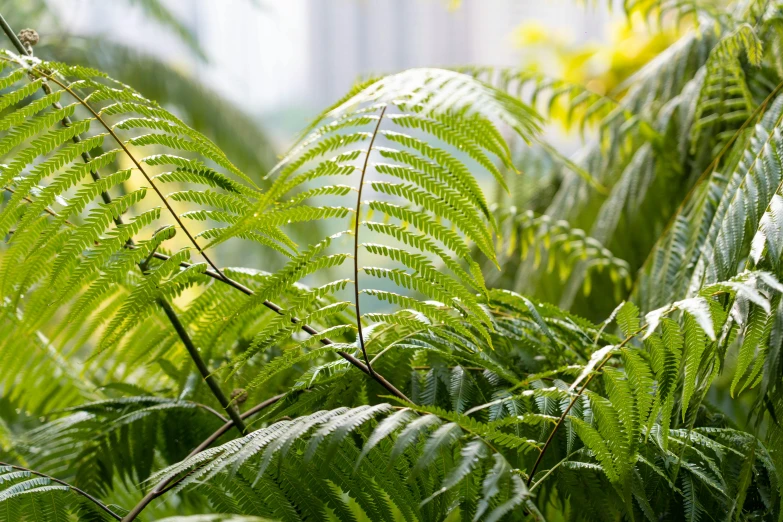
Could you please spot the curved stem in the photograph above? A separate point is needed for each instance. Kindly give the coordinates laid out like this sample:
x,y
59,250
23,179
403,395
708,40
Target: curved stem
x,y
216,273
46,209
356,242
279,310
227,426
211,410
307,328
381,353
559,422
407,336
83,493
166,484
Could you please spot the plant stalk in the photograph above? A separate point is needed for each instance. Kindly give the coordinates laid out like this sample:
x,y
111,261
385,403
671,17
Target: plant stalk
x,y
12,36
217,273
279,310
305,327
202,366
360,335
170,482
573,401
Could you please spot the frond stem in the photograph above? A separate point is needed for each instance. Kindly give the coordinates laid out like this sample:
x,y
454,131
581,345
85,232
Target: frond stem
x,y
83,493
553,468
178,327
12,36
279,310
168,483
307,328
66,121
208,377
404,337
350,358
360,336
46,209
211,410
378,356
573,401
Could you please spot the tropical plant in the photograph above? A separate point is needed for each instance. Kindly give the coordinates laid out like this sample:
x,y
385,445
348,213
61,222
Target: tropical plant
x,y
391,369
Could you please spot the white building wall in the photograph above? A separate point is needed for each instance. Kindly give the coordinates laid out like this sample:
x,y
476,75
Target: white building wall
x,y
282,54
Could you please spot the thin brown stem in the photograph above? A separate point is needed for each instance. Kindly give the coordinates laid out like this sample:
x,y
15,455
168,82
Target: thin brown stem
x,y
213,411
309,329
571,405
552,469
356,242
389,347
236,419
559,422
279,310
27,198
192,350
166,484
201,365
217,273
76,490
227,426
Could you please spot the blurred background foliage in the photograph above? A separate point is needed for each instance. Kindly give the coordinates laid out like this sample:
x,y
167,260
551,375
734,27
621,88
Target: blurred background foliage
x,y
240,135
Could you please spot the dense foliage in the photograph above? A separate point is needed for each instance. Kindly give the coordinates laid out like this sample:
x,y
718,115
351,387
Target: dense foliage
x,y
395,353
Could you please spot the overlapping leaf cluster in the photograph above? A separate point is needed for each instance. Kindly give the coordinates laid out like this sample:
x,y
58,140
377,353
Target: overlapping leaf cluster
x,y
378,374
